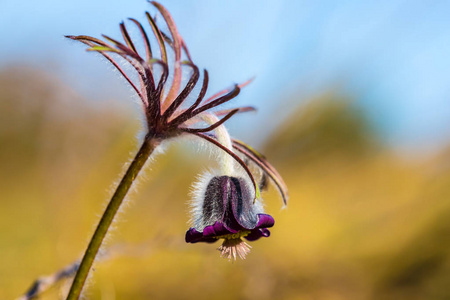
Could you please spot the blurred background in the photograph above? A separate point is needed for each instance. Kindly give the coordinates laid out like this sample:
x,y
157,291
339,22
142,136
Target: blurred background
x,y
353,110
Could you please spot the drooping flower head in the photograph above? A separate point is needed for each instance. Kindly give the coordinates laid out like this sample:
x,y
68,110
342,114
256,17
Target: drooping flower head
x,y
225,210
167,115
224,206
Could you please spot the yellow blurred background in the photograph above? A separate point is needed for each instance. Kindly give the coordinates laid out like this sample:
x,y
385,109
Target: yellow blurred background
x,y
363,222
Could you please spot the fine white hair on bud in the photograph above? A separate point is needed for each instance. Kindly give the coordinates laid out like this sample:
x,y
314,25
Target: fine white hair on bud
x,y
200,194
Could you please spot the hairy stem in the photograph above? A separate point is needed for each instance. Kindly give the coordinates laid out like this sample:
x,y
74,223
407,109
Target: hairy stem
x,y
108,216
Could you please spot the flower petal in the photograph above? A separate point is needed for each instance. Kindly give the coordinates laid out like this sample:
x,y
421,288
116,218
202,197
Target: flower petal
x,y
217,229
241,208
193,236
257,234
265,221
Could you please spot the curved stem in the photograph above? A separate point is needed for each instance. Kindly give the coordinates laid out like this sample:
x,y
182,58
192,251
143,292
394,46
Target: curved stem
x,y
136,165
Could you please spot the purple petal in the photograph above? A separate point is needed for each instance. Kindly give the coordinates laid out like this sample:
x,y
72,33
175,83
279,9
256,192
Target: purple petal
x,y
193,236
265,221
242,207
258,233
210,233
217,229
215,201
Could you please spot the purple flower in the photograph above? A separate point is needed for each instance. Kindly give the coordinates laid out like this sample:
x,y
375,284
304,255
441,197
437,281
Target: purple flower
x,y
228,205
225,210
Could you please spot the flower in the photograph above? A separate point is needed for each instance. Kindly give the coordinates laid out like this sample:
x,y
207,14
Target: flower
x,y
168,115
226,211
224,205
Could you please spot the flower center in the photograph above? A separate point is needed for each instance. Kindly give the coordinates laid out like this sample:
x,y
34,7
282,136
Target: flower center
x,y
233,236
231,248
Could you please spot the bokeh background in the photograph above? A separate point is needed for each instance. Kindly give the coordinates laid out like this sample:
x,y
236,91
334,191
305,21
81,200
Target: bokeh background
x,y
353,110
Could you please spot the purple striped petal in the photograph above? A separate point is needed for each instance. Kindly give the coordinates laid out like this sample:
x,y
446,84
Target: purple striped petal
x,y
212,232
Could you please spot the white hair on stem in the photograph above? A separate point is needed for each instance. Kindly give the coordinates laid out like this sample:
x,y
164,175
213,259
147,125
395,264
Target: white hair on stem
x,y
223,137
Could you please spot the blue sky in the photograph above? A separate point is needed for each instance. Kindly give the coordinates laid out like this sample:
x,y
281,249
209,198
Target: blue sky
x,y
393,56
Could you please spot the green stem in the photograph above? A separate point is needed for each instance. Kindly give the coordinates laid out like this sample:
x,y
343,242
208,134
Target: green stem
x,y
108,216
